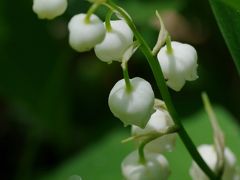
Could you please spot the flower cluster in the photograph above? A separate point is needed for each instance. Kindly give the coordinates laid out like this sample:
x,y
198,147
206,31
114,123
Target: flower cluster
x,y
87,31
133,100
154,166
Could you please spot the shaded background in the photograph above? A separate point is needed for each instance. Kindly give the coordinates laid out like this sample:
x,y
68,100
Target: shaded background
x,y
53,101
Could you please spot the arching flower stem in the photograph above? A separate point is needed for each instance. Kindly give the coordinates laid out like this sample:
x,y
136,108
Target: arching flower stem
x,y
158,75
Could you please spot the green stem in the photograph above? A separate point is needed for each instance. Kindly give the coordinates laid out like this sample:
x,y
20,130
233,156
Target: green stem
x,y
126,76
107,21
91,10
141,154
158,75
169,45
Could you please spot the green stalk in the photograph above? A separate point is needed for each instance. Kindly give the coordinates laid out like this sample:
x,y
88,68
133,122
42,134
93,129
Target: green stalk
x,y
91,10
107,21
158,75
141,154
169,45
126,77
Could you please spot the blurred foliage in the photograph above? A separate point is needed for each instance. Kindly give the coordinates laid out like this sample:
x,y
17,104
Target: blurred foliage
x,y
53,101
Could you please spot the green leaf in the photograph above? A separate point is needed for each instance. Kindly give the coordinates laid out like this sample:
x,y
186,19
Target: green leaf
x,y
102,161
227,13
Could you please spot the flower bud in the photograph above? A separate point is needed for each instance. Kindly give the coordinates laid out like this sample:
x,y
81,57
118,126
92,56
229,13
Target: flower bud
x,y
134,106
49,9
115,43
156,167
209,155
179,65
159,122
85,35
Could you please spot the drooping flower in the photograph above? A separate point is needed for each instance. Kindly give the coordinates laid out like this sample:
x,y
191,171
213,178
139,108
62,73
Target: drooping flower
x,y
134,106
115,43
178,66
49,9
84,35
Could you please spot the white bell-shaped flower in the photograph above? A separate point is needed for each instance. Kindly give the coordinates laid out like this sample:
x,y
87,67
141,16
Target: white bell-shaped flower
x,y
209,155
179,65
134,106
83,36
155,168
115,43
49,9
159,122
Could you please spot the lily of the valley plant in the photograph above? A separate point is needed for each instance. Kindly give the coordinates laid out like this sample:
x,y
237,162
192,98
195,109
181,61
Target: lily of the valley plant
x,y
155,123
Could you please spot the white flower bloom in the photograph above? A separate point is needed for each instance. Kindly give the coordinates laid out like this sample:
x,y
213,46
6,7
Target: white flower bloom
x,y
178,66
155,168
160,121
115,43
132,107
49,9
85,35
209,155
